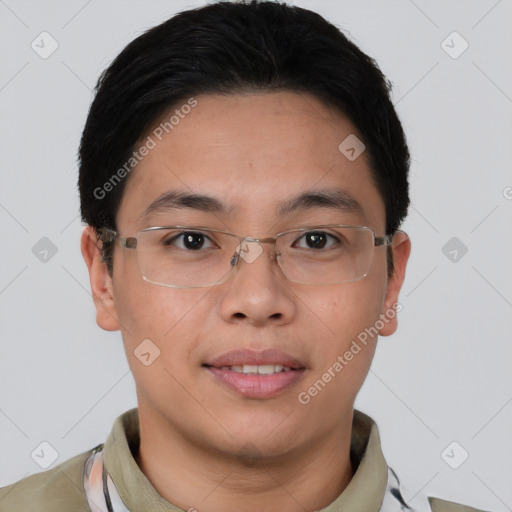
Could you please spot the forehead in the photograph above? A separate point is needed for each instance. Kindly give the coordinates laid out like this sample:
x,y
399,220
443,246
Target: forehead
x,y
255,153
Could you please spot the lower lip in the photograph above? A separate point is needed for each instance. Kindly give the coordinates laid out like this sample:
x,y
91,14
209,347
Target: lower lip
x,y
256,385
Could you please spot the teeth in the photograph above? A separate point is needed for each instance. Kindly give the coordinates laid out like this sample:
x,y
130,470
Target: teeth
x,y
266,369
258,369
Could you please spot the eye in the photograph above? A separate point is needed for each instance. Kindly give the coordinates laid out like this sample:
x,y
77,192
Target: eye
x,y
317,240
189,240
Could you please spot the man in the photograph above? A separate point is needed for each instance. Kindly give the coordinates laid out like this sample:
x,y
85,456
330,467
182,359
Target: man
x,y
243,176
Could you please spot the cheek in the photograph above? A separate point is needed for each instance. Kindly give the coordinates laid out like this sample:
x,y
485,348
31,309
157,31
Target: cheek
x,y
346,341
160,331
351,308
164,316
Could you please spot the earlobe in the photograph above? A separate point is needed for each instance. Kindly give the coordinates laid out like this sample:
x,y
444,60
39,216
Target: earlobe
x,y
100,280
401,248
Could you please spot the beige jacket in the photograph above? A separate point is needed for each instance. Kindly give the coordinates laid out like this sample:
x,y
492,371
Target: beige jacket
x,y
61,489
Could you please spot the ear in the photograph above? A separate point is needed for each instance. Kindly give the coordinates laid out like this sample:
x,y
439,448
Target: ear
x,y
101,282
401,248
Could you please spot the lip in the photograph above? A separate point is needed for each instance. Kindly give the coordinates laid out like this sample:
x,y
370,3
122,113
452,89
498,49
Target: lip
x,y
255,385
247,356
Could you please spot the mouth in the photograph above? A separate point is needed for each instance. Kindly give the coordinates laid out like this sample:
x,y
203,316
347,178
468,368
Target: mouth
x,y
258,369
257,375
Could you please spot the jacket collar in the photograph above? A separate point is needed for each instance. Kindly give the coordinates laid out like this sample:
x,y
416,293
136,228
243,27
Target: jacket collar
x,y
364,493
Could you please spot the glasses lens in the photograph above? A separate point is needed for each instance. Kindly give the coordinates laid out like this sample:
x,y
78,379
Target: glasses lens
x,y
326,255
183,257
188,257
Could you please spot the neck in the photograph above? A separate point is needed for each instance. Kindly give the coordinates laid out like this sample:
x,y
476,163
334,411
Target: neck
x,y
193,477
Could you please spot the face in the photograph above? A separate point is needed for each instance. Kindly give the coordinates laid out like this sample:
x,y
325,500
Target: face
x,y
252,153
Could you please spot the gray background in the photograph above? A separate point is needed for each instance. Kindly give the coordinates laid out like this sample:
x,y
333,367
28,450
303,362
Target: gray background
x,y
443,377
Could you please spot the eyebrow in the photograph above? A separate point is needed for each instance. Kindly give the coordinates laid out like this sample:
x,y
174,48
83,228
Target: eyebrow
x,y
176,200
328,198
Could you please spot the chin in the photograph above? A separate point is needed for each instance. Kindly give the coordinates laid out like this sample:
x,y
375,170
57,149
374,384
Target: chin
x,y
270,435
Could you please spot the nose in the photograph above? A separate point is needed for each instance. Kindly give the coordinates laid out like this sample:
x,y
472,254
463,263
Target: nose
x,y
257,293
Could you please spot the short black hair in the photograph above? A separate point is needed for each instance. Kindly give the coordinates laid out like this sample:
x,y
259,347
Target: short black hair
x,y
229,48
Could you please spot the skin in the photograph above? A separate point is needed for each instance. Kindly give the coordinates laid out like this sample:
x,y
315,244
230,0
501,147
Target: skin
x,y
202,444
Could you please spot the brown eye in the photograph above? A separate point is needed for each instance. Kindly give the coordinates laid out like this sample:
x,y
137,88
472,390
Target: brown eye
x,y
316,240
190,240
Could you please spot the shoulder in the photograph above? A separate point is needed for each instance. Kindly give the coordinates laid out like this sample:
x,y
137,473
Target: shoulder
x,y
438,505
423,503
59,489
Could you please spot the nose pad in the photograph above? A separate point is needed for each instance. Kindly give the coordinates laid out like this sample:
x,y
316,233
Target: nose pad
x,y
234,259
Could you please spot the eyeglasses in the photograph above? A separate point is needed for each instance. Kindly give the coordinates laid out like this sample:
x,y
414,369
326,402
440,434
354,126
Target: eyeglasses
x,y
196,257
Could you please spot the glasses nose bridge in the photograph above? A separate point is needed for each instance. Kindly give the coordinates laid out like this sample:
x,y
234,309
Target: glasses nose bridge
x,y
244,250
